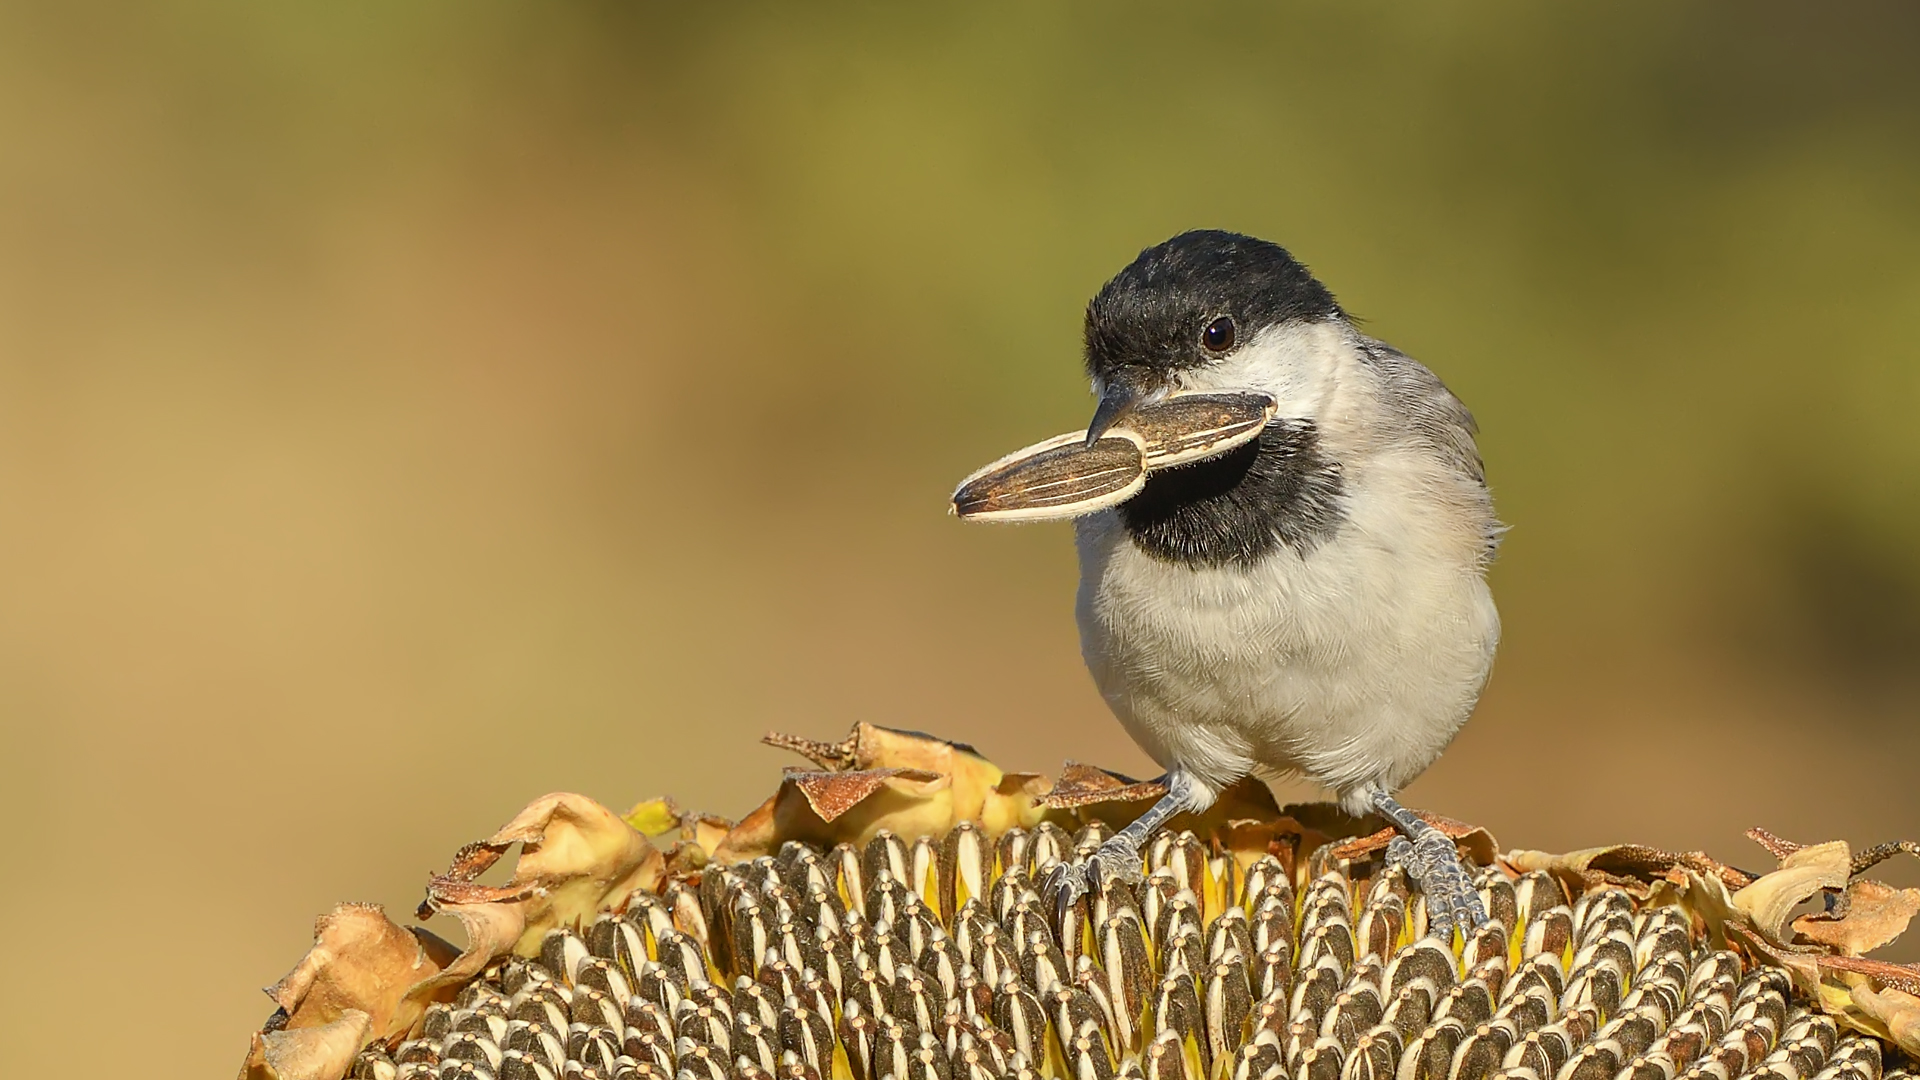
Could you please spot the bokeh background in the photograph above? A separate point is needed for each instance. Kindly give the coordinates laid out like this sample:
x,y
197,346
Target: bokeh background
x,y
406,410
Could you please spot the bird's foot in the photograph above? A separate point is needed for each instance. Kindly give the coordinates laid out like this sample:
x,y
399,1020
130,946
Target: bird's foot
x,y
1115,862
1119,860
1433,863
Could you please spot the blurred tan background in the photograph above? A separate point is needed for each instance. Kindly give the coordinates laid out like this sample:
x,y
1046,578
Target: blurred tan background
x,y
406,410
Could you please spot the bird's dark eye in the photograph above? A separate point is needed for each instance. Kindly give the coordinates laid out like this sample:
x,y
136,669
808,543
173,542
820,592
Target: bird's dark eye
x,y
1218,336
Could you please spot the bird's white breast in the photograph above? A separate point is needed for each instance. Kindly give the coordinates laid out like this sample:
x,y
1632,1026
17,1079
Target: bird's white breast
x,y
1353,664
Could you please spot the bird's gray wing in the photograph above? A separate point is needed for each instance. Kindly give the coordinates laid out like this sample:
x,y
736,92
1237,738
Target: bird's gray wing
x,y
1439,424
1435,418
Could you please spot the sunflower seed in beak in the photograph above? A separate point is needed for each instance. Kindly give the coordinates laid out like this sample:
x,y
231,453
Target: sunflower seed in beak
x,y
1193,427
1065,477
1059,478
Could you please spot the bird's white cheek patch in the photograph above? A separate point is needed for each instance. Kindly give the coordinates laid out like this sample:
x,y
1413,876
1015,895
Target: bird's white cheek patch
x,y
1065,478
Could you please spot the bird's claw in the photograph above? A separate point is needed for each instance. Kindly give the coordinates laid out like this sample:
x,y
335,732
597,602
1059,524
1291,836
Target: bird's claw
x,y
1114,862
1433,862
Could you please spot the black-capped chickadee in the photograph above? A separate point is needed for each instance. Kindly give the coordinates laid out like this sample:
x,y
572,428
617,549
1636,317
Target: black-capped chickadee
x,y
1284,530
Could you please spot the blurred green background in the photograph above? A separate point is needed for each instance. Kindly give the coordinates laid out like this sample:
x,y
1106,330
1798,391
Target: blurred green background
x,y
406,410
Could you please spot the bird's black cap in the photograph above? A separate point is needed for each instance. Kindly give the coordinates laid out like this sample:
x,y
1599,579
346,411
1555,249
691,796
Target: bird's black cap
x,y
1152,318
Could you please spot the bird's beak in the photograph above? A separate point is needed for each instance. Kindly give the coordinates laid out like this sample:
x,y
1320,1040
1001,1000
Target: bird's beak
x,y
1117,399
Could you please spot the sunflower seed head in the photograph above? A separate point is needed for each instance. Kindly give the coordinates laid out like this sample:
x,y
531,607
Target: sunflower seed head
x,y
938,959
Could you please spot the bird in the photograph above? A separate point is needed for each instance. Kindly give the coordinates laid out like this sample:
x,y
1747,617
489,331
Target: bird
x,y
1313,601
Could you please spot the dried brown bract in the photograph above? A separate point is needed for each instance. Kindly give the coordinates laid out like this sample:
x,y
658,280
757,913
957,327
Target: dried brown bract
x,y
1868,915
347,991
577,858
903,782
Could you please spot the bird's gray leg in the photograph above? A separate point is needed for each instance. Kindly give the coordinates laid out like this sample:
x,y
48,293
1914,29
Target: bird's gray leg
x,y
1119,858
1431,860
